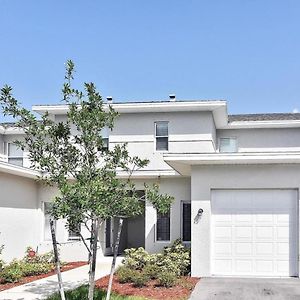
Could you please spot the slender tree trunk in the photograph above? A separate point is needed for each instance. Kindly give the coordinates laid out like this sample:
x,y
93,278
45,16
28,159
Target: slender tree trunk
x,y
113,265
94,245
56,258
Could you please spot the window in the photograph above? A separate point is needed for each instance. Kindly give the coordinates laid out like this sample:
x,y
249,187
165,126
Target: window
x,y
163,227
74,232
47,216
162,136
186,221
228,145
105,137
15,154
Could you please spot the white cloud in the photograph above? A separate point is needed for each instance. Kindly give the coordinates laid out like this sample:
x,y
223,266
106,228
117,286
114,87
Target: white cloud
x,y
295,110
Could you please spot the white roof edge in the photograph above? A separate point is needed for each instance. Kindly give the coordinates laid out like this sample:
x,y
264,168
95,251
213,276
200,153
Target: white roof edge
x,y
263,124
234,158
140,107
18,171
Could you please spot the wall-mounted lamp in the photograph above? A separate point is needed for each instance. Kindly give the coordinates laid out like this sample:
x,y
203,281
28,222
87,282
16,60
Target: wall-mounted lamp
x,y
198,216
200,212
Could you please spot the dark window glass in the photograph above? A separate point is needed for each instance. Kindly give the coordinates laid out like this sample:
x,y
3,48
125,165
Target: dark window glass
x,y
163,227
186,222
74,232
162,136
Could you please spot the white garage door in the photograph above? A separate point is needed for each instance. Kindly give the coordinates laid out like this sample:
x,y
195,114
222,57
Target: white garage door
x,y
254,232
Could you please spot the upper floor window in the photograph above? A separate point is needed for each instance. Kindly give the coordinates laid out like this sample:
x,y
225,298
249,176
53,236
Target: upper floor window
x,y
15,154
105,138
162,136
228,145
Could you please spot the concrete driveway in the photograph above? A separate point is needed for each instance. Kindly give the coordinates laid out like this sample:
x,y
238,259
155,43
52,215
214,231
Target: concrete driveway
x,y
247,289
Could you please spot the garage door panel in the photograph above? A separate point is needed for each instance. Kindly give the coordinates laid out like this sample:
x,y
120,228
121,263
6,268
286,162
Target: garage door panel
x,y
243,232
263,233
254,232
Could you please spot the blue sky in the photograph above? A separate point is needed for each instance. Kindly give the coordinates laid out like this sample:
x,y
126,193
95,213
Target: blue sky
x,y
247,52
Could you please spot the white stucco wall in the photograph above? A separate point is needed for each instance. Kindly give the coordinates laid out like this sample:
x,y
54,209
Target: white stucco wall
x,y
206,178
264,140
19,220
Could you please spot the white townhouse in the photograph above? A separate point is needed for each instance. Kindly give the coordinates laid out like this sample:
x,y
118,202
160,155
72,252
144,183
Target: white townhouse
x,y
235,179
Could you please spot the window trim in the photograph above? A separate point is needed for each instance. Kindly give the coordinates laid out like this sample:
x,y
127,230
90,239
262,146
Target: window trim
x,y
181,220
160,136
228,137
155,229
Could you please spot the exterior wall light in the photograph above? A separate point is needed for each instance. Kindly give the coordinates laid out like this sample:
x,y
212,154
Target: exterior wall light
x,y
198,216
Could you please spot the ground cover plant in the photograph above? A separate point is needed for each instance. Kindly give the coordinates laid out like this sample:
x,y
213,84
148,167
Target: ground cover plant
x,y
81,293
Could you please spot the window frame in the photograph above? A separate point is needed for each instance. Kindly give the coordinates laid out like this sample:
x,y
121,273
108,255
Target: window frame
x,y
161,136
170,229
231,138
21,158
181,220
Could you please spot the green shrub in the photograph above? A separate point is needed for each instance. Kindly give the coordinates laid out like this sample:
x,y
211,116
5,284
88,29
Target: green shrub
x,y
176,259
47,257
125,274
12,272
139,279
30,269
152,270
167,279
1,261
136,258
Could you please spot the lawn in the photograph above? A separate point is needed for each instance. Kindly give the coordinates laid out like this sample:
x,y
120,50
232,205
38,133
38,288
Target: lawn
x,y
82,292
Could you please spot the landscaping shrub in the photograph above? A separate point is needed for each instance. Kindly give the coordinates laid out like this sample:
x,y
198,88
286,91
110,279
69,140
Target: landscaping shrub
x,y
11,272
47,257
167,279
1,261
139,279
125,274
136,258
30,269
152,270
28,266
175,259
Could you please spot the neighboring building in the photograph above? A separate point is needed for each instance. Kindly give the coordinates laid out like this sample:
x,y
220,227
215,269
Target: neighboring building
x,y
235,180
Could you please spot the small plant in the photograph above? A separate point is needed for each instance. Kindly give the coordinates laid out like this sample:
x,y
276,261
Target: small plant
x,y
1,261
167,279
140,279
136,258
125,274
30,269
151,270
32,256
12,272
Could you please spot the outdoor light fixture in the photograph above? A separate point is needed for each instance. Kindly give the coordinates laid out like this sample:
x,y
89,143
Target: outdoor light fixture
x,y
200,212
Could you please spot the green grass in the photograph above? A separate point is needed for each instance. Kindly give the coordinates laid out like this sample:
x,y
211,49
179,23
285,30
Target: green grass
x,y
82,292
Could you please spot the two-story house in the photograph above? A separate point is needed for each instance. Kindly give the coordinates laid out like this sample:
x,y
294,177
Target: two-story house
x,y
235,180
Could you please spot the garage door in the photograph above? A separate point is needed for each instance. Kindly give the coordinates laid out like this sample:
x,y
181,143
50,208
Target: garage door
x,y
254,232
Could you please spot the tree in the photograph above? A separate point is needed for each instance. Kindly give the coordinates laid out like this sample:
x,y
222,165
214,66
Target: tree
x,y
72,155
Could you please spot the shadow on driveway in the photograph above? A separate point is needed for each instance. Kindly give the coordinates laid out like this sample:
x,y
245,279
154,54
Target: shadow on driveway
x,y
247,289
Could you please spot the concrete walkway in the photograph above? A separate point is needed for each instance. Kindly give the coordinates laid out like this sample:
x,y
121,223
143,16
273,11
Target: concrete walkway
x,y
247,289
41,289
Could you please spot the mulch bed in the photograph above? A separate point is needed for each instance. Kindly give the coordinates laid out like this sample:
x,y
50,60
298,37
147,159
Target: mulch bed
x,y
151,291
66,267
